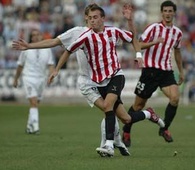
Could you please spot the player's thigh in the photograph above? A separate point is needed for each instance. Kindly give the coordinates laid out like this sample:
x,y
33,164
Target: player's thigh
x,y
30,87
90,92
172,92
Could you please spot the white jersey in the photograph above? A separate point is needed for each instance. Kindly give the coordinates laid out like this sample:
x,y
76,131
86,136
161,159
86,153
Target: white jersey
x,y
35,62
70,36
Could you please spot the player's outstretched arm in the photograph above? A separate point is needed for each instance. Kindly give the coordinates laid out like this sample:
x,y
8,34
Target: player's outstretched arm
x,y
23,45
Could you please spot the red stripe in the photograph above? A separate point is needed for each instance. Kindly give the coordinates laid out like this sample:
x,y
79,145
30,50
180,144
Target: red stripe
x,y
150,34
112,50
96,52
104,54
168,51
162,53
77,45
155,47
90,59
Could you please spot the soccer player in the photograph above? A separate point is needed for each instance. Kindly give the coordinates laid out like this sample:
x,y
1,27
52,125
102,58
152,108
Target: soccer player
x,y
33,65
99,45
86,86
160,40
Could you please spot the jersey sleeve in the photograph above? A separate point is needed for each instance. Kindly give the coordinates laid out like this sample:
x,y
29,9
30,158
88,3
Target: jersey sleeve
x,y
21,59
77,44
71,35
147,34
178,42
51,58
124,35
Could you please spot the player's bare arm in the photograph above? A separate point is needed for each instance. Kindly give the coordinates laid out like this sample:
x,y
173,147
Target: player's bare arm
x,y
145,45
23,45
63,59
17,75
128,14
178,60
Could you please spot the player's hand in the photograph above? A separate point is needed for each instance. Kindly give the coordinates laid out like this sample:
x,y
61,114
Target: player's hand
x,y
127,11
20,45
52,76
140,62
159,40
181,79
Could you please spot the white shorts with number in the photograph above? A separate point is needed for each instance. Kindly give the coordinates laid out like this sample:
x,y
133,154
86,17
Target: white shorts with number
x,y
88,89
34,87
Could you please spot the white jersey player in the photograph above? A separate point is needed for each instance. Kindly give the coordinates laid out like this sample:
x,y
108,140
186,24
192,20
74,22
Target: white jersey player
x,y
33,64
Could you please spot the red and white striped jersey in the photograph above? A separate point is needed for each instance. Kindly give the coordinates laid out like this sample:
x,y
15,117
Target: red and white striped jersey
x,y
159,55
100,50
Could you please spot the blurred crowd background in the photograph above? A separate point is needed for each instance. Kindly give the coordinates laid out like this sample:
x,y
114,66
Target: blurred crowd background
x,y
19,17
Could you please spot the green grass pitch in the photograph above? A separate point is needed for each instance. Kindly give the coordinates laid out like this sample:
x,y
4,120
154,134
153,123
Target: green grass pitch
x,y
70,135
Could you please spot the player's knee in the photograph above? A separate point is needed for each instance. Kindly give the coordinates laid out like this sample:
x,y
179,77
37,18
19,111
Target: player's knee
x,y
174,100
106,107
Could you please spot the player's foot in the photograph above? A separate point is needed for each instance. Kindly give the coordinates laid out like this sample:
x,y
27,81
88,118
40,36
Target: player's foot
x,y
105,151
122,148
32,132
166,135
33,129
126,139
155,118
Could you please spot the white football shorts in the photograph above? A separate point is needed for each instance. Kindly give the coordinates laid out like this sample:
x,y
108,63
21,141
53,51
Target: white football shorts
x,y
88,89
34,86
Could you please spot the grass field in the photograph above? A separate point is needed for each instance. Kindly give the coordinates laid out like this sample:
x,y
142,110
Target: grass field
x,y
70,135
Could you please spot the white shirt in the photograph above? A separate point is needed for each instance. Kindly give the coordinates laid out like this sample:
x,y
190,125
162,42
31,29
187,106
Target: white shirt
x,y
35,62
70,36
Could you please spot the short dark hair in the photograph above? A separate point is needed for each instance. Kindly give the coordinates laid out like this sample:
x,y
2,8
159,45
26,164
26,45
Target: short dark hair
x,y
168,3
87,8
94,7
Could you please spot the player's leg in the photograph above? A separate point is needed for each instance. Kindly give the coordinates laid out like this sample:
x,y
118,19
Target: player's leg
x,y
33,120
172,92
117,139
33,89
144,89
139,104
93,97
111,93
170,89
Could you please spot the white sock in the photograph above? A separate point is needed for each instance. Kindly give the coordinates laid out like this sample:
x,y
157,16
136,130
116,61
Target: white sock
x,y
103,133
34,118
109,143
147,114
117,137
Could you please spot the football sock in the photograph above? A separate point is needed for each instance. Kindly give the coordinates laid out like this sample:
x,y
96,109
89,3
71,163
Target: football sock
x,y
136,116
34,114
110,125
127,127
103,133
170,113
117,137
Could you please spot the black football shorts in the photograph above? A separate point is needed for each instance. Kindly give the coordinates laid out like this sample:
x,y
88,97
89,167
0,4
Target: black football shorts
x,y
151,79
